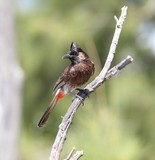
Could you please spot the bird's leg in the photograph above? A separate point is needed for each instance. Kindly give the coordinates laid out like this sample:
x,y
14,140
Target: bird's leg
x,y
77,96
83,93
80,98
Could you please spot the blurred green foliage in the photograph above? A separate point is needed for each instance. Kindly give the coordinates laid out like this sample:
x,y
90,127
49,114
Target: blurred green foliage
x,y
117,121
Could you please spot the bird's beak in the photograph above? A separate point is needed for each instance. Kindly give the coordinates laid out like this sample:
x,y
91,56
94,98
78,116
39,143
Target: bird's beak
x,y
67,56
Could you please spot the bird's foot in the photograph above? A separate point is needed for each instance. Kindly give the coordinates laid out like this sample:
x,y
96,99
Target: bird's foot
x,y
77,96
83,93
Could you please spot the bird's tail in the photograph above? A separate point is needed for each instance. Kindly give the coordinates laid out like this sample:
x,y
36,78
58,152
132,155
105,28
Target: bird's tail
x,y
59,95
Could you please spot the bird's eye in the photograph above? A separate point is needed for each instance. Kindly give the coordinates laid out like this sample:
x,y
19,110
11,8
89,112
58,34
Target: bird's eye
x,y
73,53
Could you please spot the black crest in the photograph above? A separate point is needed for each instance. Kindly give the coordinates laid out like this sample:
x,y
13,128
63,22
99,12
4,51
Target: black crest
x,y
73,47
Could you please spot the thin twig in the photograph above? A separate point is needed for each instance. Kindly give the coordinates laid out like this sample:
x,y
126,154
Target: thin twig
x,y
101,78
70,154
77,155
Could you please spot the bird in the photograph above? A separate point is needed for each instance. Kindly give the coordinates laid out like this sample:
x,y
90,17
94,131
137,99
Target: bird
x,y
75,75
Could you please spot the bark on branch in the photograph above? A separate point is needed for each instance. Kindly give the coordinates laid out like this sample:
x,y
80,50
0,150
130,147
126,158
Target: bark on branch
x,y
104,75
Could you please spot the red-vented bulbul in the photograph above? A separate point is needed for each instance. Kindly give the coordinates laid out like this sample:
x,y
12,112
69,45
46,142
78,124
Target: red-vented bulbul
x,y
75,75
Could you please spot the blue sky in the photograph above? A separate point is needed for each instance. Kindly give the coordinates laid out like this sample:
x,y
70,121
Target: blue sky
x,y
26,4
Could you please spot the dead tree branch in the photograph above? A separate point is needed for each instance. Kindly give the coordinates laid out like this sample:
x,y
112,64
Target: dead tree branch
x,y
104,75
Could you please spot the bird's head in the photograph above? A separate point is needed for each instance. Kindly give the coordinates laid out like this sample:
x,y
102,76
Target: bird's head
x,y
76,54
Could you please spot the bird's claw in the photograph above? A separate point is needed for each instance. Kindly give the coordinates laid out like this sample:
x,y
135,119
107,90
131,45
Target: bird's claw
x,y
83,93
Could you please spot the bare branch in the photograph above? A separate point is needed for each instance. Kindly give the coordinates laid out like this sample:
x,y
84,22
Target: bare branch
x,y
100,79
116,69
67,119
118,29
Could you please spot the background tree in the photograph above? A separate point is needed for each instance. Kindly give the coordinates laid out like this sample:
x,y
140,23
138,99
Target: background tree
x,y
11,78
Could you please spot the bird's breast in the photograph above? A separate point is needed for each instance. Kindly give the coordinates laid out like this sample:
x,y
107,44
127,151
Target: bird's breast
x,y
79,74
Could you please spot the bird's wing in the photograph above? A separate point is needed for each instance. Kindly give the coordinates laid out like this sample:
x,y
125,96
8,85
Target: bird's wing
x,y
61,80
59,83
